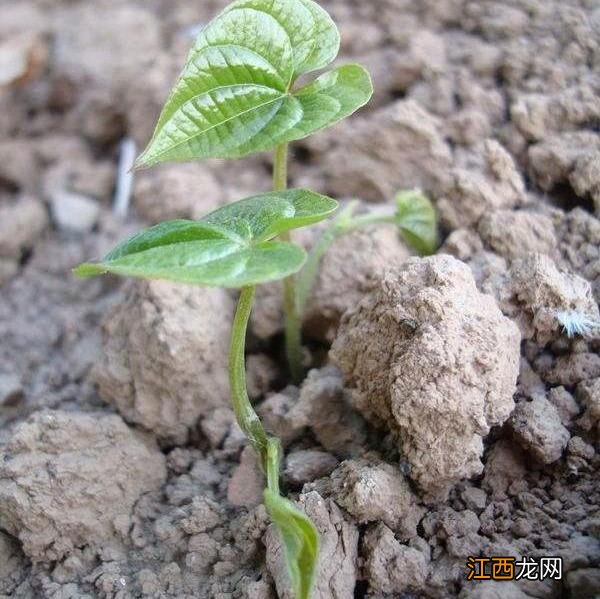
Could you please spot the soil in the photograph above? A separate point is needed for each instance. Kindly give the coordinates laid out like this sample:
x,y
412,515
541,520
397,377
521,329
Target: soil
x,y
453,416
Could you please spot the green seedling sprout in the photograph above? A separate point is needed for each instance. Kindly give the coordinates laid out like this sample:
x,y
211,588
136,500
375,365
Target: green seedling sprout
x,y
413,214
239,94
237,246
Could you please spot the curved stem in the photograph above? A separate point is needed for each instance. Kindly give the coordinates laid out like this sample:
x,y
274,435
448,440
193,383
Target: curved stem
x,y
244,412
293,335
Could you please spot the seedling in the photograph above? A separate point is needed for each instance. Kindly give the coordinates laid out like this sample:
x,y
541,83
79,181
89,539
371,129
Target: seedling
x,y
236,247
239,93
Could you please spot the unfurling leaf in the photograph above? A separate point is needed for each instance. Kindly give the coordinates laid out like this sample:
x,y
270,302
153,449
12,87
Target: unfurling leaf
x,y
416,218
235,96
231,247
300,541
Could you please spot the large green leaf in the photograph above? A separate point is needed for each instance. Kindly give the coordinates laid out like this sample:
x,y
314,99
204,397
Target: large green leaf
x,y
235,95
231,247
416,218
300,541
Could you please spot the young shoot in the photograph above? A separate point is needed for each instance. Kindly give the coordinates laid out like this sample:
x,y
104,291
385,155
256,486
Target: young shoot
x,y
237,246
413,214
239,94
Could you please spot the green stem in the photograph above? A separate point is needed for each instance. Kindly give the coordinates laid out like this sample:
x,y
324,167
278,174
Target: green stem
x,y
273,462
280,164
368,219
342,225
293,335
244,412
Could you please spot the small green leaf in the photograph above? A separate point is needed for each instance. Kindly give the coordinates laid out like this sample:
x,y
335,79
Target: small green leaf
x,y
231,247
235,97
416,218
300,541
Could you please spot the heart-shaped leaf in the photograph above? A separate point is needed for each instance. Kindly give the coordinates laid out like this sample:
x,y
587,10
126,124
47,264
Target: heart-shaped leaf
x,y
231,247
235,97
416,218
300,541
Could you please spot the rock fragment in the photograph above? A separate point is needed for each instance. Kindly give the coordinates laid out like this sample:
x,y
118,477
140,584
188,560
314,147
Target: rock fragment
x,y
165,355
66,477
434,359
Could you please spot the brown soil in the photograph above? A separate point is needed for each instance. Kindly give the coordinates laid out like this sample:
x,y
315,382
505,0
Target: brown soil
x,y
428,434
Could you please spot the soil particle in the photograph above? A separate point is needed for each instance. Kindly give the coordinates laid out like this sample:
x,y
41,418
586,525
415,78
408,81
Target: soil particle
x,y
373,491
176,191
579,243
391,567
565,404
74,213
536,425
165,350
513,234
76,453
337,567
470,193
553,160
542,293
306,465
21,224
373,156
262,373
504,465
584,583
588,394
340,429
438,318
247,482
345,275
493,590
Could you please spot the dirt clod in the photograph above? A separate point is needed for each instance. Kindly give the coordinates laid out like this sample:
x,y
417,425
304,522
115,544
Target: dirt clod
x,y
165,356
77,453
443,333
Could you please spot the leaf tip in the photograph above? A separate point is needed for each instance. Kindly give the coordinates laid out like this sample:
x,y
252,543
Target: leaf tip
x,y
88,269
